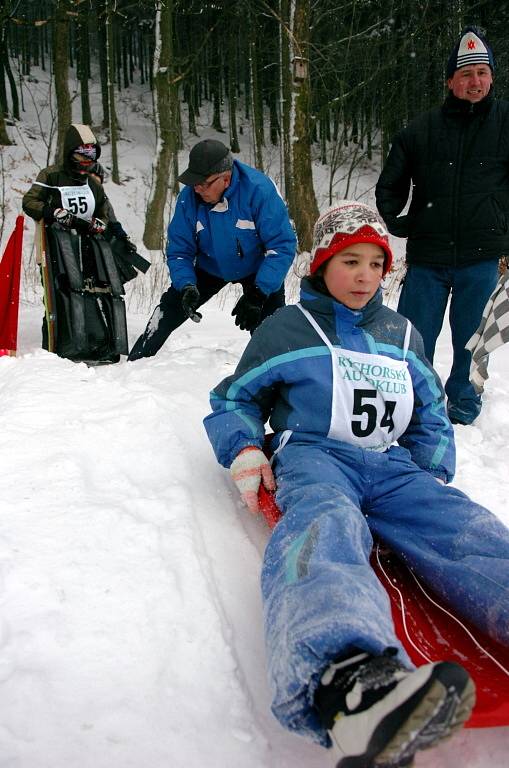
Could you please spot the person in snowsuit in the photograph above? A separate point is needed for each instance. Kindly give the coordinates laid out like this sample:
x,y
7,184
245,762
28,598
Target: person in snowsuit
x,y
230,226
455,158
362,447
91,319
65,193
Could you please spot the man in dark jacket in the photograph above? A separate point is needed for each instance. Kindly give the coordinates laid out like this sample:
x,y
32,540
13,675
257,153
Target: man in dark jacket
x,y
456,160
230,225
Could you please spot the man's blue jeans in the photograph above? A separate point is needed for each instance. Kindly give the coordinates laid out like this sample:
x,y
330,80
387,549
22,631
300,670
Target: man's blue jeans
x,y
423,301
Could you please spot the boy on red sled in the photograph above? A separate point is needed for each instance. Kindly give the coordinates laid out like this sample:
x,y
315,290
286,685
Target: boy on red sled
x,y
362,446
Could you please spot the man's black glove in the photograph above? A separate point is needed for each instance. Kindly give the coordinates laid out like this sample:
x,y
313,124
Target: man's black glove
x,y
190,302
248,310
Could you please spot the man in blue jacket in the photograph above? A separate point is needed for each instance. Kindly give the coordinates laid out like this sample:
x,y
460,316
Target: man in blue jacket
x,y
230,225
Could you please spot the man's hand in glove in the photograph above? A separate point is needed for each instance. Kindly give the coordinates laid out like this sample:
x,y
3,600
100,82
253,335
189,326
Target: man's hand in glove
x,y
248,470
248,310
64,217
190,299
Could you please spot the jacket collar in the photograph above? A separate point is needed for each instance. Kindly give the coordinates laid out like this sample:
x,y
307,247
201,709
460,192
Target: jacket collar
x,y
234,182
454,106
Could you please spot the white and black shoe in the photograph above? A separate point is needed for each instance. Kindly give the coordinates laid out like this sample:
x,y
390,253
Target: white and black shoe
x,y
379,713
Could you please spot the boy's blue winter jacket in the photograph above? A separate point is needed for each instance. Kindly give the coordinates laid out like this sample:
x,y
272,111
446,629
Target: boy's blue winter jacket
x,y
246,233
285,377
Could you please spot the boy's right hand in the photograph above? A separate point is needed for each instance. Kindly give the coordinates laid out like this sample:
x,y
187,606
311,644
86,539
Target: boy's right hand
x,y
248,470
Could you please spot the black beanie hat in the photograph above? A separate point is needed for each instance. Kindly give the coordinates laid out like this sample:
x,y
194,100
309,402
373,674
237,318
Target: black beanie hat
x,y
471,48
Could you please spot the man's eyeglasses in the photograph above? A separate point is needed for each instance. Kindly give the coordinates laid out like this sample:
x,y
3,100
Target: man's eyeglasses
x,y
209,182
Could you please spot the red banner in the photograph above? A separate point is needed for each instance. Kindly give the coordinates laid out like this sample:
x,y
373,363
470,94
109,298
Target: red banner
x,y
10,271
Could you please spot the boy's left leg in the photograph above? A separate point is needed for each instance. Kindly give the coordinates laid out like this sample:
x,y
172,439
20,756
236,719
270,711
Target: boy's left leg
x,y
321,596
459,548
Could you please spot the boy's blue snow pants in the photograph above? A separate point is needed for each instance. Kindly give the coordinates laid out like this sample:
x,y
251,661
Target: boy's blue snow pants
x,y
321,597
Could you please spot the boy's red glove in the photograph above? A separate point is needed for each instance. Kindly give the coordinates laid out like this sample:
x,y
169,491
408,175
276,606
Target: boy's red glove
x,y
248,470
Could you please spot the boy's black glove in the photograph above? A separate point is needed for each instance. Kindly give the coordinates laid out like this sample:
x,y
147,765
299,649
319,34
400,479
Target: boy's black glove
x,y
248,310
190,299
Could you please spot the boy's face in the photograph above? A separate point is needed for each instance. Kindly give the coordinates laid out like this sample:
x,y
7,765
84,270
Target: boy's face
x,y
352,276
471,83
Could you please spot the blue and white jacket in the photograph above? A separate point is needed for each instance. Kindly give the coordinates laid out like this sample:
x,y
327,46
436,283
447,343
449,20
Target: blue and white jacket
x,y
285,377
247,233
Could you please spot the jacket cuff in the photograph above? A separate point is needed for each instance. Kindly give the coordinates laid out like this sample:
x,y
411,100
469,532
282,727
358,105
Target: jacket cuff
x,y
251,442
441,475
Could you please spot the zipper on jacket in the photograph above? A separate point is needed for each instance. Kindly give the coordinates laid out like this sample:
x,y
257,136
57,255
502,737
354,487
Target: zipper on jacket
x,y
457,183
240,252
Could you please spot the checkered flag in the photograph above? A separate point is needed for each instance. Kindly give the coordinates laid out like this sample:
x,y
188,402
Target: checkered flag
x,y
492,332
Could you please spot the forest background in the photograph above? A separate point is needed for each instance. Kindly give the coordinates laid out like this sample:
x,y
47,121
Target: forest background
x,y
323,81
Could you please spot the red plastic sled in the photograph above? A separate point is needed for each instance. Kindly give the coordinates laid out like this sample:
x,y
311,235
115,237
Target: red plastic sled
x,y
431,632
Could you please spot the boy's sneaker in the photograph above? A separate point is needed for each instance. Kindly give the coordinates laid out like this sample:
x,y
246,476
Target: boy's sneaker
x,y
379,713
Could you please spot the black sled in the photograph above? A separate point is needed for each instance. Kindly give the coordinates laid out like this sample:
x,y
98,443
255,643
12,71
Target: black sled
x,y
83,278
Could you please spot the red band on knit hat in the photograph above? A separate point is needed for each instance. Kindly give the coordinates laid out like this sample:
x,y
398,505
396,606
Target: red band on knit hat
x,y
345,225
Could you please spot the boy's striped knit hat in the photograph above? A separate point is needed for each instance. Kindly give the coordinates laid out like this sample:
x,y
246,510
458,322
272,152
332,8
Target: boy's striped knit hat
x,y
348,223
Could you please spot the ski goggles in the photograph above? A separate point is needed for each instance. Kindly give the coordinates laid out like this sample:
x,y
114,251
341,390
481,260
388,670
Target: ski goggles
x,y
86,154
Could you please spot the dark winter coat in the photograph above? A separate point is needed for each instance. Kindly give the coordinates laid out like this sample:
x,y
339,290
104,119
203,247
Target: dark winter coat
x,y
40,202
456,158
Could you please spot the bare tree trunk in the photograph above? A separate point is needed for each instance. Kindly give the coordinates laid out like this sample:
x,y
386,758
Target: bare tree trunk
x,y
112,117
83,64
100,15
257,101
4,138
61,74
165,122
304,206
232,82
286,102
5,64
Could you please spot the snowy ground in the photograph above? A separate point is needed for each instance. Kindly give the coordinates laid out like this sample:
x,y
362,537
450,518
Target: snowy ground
x,y
130,619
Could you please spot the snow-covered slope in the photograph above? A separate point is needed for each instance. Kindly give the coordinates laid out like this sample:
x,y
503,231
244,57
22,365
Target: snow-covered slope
x,y
130,619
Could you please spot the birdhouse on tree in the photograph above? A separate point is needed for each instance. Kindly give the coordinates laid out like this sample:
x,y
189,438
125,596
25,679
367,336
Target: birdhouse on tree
x,y
300,68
